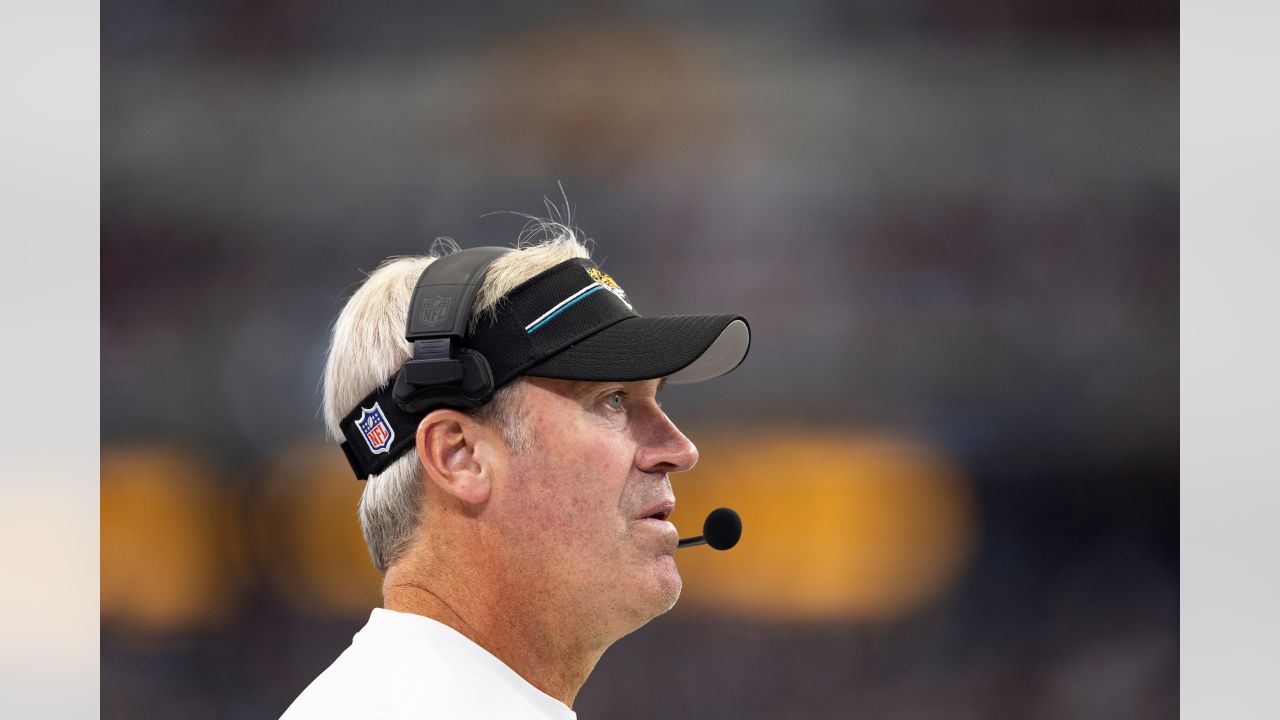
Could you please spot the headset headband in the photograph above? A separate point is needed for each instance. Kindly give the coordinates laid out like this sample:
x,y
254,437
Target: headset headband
x,y
441,373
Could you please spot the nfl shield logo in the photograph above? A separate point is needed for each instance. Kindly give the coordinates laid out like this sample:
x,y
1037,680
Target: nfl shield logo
x,y
376,430
434,309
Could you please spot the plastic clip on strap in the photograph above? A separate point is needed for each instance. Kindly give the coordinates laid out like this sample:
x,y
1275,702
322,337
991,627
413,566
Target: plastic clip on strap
x,y
433,363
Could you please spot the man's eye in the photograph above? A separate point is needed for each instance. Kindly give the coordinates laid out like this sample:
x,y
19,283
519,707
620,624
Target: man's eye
x,y
614,400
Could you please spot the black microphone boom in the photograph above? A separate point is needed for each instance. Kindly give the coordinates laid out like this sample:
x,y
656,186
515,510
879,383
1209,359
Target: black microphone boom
x,y
721,530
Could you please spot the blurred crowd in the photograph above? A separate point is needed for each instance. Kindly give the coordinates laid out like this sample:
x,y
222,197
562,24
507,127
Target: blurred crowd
x,y
953,229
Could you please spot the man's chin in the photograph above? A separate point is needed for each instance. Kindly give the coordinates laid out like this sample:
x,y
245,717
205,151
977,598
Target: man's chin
x,y
652,591
677,586
665,584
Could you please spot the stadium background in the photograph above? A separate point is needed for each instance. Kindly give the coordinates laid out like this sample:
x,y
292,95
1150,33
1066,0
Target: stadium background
x,y
954,230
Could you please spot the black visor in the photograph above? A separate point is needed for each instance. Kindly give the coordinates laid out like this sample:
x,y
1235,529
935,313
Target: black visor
x,y
573,322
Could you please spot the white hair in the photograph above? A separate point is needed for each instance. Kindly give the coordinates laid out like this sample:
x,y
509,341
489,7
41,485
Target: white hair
x,y
368,347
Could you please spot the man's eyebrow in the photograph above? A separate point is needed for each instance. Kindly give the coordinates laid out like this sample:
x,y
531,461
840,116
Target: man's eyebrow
x,y
586,388
583,389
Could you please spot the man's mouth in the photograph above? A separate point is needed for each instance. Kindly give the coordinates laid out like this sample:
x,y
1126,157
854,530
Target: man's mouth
x,y
660,510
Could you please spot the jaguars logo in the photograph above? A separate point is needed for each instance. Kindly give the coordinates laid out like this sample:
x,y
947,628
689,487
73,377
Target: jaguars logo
x,y
609,285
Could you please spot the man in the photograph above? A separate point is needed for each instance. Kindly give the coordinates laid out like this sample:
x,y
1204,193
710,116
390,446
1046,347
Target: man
x,y
522,528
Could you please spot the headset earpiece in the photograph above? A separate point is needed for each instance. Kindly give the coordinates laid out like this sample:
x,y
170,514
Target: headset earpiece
x,y
469,383
443,373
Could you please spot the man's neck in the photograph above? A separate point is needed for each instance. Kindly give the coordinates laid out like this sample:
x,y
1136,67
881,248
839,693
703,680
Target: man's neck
x,y
535,645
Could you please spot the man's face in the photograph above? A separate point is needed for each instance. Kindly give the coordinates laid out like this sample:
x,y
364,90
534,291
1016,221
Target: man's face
x,y
580,503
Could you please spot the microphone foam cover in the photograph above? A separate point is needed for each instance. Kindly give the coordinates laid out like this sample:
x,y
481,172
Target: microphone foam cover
x,y
722,528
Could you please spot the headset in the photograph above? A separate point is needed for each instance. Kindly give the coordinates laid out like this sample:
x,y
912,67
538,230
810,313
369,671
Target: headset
x,y
442,372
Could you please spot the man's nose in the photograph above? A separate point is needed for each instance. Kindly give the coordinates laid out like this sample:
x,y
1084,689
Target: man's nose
x,y
668,450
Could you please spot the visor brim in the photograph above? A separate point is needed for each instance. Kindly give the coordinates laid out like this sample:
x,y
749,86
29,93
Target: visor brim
x,y
680,348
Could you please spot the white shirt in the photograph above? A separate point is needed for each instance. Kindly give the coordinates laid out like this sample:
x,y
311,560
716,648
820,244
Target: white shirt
x,y
409,666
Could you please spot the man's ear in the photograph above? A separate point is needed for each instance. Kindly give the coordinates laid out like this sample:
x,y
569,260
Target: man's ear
x,y
452,449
